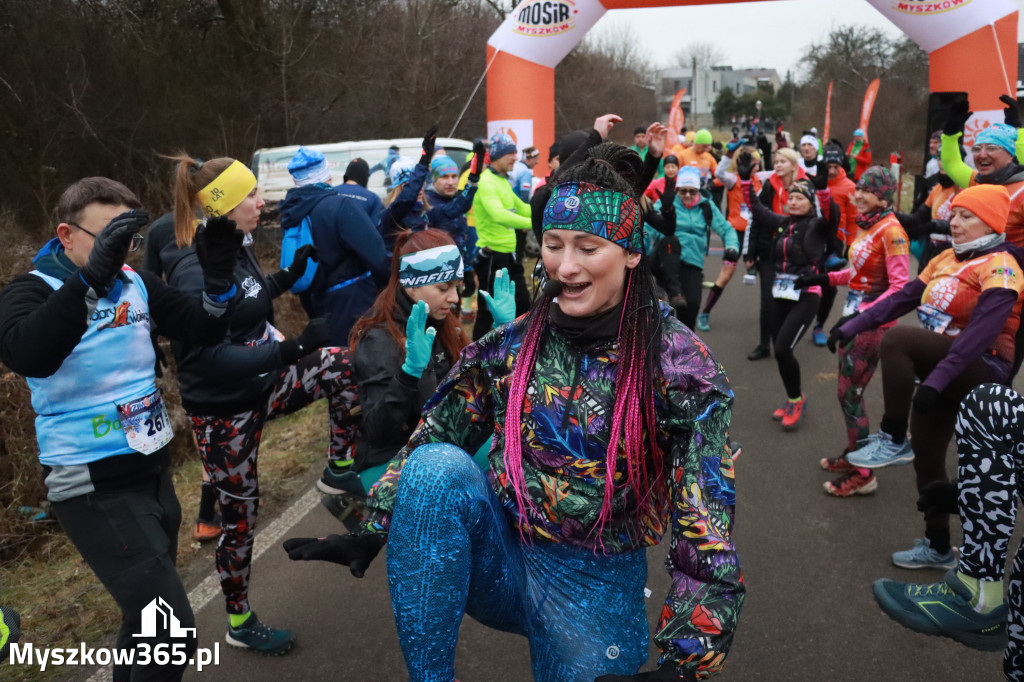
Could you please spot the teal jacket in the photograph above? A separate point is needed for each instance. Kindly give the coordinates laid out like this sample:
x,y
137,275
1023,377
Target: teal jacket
x,y
692,231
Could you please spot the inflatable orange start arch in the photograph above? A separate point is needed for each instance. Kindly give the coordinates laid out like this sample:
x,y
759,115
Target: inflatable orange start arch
x,y
971,46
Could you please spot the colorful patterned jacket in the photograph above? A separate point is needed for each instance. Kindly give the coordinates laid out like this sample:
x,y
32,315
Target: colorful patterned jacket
x,y
564,438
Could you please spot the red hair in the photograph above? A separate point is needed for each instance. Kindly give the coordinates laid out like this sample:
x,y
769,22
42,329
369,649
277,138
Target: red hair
x,y
382,312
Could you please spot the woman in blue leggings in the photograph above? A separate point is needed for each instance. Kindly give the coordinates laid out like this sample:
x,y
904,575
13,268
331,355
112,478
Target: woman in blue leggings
x,y
610,428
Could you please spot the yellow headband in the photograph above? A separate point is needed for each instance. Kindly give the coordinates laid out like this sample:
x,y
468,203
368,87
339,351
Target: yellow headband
x,y
227,190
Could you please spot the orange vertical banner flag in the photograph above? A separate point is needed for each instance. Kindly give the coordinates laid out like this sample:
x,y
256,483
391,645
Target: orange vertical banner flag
x,y
869,104
828,114
676,120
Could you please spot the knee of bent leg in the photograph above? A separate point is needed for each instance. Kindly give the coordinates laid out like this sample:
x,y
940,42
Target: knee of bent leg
x,y
440,465
980,400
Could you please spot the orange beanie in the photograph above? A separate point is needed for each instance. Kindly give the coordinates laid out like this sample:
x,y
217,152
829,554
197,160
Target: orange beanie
x,y
991,203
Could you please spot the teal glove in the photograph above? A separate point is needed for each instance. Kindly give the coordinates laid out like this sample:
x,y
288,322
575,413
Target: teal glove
x,y
419,341
503,304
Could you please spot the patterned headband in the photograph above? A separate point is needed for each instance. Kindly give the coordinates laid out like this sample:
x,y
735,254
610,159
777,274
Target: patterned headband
x,y
601,212
432,266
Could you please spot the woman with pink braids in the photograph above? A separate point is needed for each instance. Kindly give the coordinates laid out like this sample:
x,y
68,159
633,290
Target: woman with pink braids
x,y
610,429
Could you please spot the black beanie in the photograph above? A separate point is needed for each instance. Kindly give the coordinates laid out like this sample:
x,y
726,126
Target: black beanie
x,y
358,171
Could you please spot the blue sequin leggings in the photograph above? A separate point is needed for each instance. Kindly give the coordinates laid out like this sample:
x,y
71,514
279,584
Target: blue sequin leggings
x,y
451,551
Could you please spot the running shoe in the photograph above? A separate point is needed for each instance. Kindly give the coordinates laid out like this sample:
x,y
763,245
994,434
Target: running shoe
x,y
836,464
759,353
736,448
880,452
793,413
207,530
10,629
923,556
702,322
255,635
852,483
337,481
943,609
818,334
349,509
779,413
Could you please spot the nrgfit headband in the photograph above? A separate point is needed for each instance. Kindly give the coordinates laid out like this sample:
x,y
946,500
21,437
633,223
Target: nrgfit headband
x,y
433,266
227,190
601,212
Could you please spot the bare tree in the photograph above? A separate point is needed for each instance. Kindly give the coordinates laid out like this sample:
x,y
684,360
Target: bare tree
x,y
706,54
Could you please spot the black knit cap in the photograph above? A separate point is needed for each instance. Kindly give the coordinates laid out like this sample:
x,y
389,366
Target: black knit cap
x,y
639,130
358,171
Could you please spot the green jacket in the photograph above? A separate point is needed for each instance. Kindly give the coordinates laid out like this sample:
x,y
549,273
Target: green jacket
x,y
499,212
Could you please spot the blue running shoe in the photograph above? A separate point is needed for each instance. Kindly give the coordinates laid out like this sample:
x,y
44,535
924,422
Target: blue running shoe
x,y
880,452
261,638
923,556
702,322
943,609
818,334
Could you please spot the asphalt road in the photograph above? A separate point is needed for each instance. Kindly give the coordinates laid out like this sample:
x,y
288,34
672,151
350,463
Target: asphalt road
x,y
809,560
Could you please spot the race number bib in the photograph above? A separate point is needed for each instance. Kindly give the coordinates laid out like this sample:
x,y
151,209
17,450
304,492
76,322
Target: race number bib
x,y
933,319
784,288
853,301
145,423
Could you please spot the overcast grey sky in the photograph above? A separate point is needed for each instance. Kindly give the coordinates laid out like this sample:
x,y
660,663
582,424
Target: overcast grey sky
x,y
741,29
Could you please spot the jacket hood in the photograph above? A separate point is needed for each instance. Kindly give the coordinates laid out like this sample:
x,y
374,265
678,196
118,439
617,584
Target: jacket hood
x,y
299,202
51,260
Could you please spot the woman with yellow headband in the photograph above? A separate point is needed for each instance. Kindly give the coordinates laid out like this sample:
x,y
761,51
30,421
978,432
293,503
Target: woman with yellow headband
x,y
229,390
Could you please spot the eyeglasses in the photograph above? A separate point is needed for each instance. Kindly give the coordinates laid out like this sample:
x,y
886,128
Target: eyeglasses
x,y
687,190
987,148
136,238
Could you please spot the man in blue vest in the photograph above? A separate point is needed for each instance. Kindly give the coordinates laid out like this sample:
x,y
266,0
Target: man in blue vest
x,y
77,327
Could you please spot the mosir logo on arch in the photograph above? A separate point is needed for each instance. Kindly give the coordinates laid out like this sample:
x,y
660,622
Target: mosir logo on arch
x,y
545,17
927,6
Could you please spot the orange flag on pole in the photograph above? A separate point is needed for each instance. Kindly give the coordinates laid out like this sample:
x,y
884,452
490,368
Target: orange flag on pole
x,y
869,104
828,114
676,120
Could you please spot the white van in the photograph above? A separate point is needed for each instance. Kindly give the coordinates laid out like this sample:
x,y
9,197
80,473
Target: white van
x,y
271,165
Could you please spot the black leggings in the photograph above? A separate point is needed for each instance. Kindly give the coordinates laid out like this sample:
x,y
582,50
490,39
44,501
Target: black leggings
x,y
828,297
909,352
791,318
766,277
692,279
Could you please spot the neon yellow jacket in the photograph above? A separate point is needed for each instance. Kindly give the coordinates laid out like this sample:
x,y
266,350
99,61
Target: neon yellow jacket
x,y
499,212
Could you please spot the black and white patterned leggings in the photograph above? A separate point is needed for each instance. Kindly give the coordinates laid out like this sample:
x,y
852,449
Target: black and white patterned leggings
x,y
990,447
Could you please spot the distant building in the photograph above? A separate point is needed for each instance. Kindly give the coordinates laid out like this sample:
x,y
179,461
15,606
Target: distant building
x,y
701,95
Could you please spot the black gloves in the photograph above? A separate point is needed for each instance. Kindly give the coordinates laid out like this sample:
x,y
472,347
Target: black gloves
x,y
354,551
836,337
662,674
938,497
1011,114
110,249
731,255
925,399
804,281
957,118
429,142
217,244
301,259
476,166
669,193
315,335
820,179
744,165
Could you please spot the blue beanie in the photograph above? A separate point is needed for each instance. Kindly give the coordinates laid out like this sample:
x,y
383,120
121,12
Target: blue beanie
x,y
859,132
999,134
309,167
442,165
502,145
400,170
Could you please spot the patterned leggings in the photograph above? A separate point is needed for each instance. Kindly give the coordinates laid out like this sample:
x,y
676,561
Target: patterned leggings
x,y
990,445
857,364
229,447
451,551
